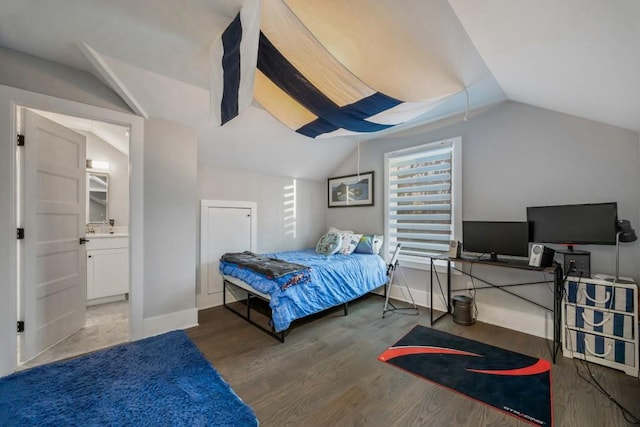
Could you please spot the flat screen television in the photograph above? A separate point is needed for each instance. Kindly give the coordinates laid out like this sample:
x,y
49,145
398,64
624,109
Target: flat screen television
x,y
496,237
587,224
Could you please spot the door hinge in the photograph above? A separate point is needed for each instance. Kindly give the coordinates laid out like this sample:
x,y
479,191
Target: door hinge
x,y
20,140
20,325
20,233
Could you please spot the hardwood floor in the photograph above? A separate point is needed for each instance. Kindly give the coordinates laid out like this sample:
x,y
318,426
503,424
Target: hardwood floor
x,y
327,373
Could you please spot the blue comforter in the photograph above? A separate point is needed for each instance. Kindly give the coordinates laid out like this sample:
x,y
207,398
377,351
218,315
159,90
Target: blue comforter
x,y
335,279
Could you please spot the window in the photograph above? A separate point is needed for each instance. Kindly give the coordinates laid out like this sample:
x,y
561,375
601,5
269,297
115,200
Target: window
x,y
423,200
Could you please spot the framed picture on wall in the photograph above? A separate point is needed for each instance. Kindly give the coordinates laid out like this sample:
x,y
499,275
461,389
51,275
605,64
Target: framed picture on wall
x,y
351,190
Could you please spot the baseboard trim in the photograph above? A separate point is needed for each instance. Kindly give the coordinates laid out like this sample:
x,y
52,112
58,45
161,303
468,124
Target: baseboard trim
x,y
539,325
170,322
215,299
208,300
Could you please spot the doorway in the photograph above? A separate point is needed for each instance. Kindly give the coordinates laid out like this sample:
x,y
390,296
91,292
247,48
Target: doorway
x,y
72,310
10,98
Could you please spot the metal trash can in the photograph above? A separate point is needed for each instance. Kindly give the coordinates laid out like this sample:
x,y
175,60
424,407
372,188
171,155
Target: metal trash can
x,y
462,310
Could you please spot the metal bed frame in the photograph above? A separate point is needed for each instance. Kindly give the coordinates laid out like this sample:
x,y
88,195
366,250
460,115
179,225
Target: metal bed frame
x,y
388,306
247,315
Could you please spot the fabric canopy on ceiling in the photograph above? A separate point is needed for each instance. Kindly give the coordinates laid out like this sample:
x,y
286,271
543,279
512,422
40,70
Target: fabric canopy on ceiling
x,y
300,83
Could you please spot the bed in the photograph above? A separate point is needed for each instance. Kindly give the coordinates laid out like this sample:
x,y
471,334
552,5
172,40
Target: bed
x,y
333,280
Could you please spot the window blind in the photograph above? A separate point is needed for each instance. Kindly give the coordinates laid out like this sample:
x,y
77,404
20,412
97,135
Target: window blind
x,y
420,202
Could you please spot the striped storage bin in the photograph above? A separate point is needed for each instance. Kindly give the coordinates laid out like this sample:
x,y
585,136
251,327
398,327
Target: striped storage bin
x,y
600,323
600,347
601,295
604,322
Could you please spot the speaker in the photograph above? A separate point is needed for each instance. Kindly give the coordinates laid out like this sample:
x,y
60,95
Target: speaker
x,y
455,249
541,256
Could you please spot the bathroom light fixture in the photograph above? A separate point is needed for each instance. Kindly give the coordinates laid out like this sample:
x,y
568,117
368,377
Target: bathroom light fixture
x,y
97,164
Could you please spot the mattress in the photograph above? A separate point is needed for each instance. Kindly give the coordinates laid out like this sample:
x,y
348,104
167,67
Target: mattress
x,y
334,280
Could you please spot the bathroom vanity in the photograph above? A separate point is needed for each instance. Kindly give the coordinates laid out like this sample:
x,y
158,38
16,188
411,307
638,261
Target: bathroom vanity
x,y
107,267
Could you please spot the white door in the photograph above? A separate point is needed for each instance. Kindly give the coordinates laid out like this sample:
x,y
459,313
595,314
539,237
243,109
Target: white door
x,y
53,268
223,229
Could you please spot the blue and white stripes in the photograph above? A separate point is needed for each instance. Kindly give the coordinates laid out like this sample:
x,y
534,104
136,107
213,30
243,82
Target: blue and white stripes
x,y
233,64
300,83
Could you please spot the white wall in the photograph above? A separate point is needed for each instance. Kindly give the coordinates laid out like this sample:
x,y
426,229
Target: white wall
x,y
278,228
98,149
35,74
516,156
170,212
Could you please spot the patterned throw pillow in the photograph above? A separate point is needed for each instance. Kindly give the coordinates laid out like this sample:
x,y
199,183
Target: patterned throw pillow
x,y
370,244
349,243
329,244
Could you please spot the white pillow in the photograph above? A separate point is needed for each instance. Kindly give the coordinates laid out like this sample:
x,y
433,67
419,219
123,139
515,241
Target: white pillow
x,y
329,244
346,236
349,243
378,240
336,230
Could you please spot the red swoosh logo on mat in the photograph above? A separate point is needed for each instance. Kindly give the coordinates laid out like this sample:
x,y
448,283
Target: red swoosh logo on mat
x,y
393,352
537,368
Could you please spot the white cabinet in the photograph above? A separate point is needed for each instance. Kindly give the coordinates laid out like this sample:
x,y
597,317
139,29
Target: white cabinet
x,y
600,323
107,266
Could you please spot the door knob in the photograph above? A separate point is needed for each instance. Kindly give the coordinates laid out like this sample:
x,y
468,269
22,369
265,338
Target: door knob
x,y
83,240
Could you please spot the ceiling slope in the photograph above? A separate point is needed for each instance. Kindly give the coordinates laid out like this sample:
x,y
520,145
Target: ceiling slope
x,y
252,141
159,51
579,57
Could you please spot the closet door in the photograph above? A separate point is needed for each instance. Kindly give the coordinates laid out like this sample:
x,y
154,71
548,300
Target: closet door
x,y
224,228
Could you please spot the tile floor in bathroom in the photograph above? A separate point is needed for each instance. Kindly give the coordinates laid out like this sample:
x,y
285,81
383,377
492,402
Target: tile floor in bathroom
x,y
107,325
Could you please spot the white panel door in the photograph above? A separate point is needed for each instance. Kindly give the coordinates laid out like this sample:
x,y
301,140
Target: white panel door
x,y
228,230
53,267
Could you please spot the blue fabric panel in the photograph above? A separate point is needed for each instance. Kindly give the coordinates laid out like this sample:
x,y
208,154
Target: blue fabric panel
x,y
371,105
366,107
619,351
599,344
580,342
573,292
351,117
316,128
618,325
579,319
629,300
591,291
597,318
335,279
231,39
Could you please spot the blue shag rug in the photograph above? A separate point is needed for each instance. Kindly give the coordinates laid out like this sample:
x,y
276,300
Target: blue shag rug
x,y
159,381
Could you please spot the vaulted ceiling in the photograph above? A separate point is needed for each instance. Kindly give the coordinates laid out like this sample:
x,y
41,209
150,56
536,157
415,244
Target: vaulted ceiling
x,y
579,57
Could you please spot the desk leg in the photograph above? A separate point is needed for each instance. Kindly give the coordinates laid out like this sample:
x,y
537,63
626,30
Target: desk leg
x,y
449,287
448,301
557,307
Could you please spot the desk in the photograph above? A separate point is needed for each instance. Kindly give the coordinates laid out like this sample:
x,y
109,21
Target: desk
x,y
556,270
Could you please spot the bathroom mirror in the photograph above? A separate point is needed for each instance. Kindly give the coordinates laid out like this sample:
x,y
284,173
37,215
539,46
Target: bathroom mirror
x,y
97,197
